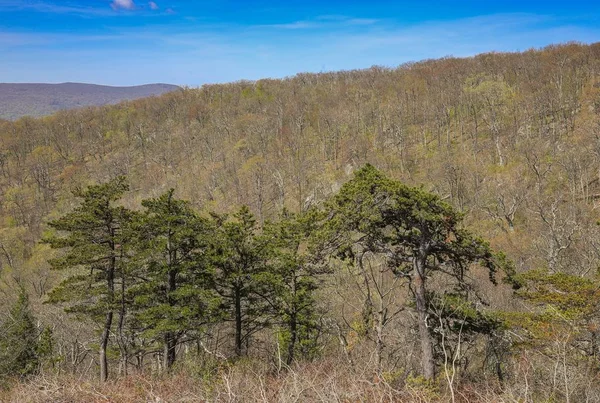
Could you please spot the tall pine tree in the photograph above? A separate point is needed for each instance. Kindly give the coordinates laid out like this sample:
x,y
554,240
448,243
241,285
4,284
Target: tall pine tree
x,y
417,235
174,297
290,282
239,255
92,236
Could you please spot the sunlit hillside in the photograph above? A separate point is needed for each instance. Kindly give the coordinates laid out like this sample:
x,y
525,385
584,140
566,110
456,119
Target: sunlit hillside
x,y
512,140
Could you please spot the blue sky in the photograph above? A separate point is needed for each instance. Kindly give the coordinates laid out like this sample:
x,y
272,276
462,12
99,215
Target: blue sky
x,y
128,42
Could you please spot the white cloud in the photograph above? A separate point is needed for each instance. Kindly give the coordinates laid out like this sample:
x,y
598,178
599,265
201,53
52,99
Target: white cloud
x,y
123,4
324,22
50,7
153,5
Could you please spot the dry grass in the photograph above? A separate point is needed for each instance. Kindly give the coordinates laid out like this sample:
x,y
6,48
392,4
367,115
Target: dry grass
x,y
319,382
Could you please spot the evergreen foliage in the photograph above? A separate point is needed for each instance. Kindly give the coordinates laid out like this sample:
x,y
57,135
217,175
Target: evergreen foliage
x,y
416,235
95,260
173,294
180,272
292,279
19,346
238,254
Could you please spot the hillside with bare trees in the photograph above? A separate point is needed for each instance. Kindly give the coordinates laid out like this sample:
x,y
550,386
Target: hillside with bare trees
x,y
421,233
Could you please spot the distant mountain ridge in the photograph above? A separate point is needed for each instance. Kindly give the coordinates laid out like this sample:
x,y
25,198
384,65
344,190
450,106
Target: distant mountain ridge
x,y
17,100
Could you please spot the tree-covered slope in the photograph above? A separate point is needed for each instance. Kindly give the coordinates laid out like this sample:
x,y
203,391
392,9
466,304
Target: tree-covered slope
x,y
510,139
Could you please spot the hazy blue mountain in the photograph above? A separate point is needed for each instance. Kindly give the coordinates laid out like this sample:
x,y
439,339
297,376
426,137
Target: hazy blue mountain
x,y
17,100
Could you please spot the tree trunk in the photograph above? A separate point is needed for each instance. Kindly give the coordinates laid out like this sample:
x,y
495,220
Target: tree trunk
x,y
103,346
170,338
238,321
293,325
121,324
427,362
381,319
110,283
169,354
293,328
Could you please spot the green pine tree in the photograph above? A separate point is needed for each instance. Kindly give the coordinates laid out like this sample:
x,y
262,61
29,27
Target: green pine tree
x,y
19,341
290,282
417,235
239,255
45,347
92,236
174,298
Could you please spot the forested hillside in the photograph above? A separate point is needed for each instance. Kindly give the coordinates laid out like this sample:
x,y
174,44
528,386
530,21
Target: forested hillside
x,y
18,100
422,232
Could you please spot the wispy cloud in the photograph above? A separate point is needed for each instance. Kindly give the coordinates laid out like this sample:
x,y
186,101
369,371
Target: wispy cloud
x,y
16,40
93,9
346,20
50,7
123,5
10,39
324,22
492,32
293,25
